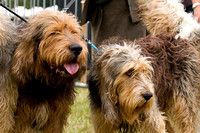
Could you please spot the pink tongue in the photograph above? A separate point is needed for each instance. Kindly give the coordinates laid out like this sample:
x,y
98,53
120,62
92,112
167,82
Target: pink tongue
x,y
71,68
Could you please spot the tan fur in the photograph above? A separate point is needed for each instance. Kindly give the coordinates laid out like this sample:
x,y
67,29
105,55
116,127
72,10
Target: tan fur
x,y
46,89
116,98
177,80
8,89
161,16
123,71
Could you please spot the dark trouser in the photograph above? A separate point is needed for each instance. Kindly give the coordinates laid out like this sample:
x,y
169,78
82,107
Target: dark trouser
x,y
189,9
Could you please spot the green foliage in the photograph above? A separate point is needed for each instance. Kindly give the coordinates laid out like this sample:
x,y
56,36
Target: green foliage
x,y
29,3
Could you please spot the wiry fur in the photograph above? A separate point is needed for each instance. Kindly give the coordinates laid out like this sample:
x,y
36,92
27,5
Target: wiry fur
x,y
116,98
8,89
176,79
46,89
161,16
122,71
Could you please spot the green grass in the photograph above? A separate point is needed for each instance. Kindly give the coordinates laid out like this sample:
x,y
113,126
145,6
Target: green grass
x,y
79,120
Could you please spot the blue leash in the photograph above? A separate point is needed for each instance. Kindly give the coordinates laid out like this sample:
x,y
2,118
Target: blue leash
x,y
90,43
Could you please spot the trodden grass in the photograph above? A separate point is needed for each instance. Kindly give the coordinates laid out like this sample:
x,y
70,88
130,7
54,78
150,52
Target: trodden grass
x,y
79,120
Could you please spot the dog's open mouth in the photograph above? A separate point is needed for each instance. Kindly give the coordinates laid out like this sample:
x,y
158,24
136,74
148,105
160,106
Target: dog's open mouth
x,y
68,68
71,68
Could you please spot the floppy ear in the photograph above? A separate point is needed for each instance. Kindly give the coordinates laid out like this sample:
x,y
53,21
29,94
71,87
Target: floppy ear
x,y
25,55
100,98
108,106
94,96
23,63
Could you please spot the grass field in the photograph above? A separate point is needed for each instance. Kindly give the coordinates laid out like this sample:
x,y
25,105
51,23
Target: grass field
x,y
79,120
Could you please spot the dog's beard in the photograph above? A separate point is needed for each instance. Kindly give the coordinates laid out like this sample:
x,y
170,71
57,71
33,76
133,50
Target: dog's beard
x,y
132,102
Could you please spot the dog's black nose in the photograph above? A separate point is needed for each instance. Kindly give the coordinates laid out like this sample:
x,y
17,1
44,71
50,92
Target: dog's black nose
x,y
76,48
147,96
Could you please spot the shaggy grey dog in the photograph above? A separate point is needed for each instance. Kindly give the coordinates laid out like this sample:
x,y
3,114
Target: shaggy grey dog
x,y
8,89
129,80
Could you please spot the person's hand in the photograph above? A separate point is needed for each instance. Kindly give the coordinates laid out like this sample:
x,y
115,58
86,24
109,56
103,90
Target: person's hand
x,y
197,13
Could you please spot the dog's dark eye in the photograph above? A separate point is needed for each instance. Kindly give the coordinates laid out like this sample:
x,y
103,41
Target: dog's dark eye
x,y
73,32
130,72
52,34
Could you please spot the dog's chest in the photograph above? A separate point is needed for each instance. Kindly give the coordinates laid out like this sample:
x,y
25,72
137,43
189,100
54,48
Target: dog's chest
x,y
41,117
39,90
38,101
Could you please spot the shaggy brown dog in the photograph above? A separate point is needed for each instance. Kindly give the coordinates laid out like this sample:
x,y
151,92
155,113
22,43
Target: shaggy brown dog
x,y
8,89
50,56
128,79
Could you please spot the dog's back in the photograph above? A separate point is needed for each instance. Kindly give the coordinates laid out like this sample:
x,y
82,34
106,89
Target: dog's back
x,y
175,63
175,78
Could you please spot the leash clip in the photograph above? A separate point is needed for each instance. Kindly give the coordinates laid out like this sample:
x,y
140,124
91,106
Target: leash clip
x,y
89,42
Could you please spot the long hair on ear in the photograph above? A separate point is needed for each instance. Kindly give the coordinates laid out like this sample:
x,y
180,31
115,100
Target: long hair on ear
x,y
100,84
101,99
24,57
